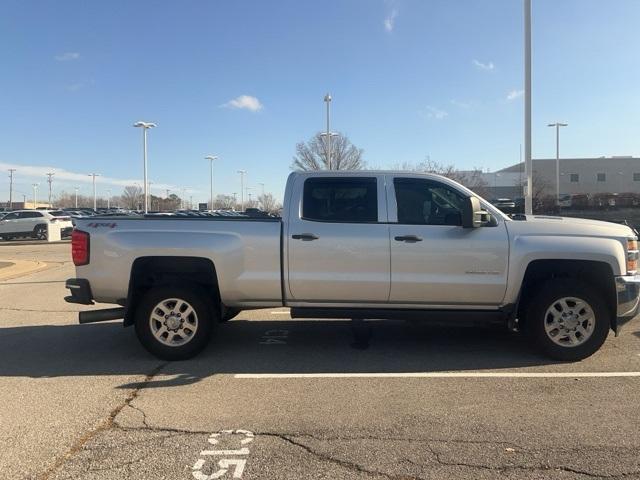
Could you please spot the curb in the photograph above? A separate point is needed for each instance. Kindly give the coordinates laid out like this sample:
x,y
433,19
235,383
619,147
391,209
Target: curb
x,y
18,268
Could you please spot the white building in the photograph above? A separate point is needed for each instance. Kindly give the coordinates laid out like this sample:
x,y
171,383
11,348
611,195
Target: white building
x,y
579,175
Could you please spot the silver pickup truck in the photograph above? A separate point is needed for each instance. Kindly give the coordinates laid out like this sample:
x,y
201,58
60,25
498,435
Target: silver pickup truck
x,y
361,245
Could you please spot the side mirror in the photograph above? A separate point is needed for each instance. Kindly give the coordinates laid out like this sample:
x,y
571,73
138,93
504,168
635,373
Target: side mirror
x,y
472,214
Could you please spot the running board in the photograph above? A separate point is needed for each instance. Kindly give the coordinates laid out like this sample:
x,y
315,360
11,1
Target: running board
x,y
104,315
399,314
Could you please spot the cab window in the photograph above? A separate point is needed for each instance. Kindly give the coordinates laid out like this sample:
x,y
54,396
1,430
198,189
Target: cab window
x,y
353,200
425,202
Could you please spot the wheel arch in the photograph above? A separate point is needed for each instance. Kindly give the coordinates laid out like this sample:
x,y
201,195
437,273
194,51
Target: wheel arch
x,y
154,271
596,273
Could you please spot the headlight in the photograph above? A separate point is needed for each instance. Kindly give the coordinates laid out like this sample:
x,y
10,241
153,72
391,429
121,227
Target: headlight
x,y
632,256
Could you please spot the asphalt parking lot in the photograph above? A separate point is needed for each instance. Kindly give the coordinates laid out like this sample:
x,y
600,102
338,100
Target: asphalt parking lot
x,y
273,398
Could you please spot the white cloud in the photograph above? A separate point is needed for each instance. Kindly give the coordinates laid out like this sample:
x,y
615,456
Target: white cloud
x,y
74,87
245,102
38,173
484,66
390,21
513,94
67,57
435,113
461,104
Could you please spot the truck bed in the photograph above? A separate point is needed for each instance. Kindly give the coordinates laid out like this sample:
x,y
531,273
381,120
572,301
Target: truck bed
x,y
246,249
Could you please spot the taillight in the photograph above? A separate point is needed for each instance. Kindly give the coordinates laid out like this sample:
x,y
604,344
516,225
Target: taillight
x,y
80,247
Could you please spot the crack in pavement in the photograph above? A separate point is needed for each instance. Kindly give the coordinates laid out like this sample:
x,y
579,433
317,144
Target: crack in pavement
x,y
431,445
106,424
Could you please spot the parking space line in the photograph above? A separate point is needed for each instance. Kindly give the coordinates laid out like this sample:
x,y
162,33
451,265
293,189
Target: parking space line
x,y
441,375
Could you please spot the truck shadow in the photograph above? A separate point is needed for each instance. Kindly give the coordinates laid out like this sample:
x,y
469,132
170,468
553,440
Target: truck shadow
x,y
288,346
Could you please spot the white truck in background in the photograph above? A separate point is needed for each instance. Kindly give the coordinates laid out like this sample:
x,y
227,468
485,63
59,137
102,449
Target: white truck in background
x,y
361,245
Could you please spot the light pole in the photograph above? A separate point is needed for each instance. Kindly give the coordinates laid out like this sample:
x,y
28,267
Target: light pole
x,y
235,199
242,174
94,175
329,145
35,195
145,126
528,200
327,100
211,158
49,180
557,125
76,190
11,170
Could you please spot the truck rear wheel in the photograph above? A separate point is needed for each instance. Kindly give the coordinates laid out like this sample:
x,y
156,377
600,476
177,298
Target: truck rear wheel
x,y
174,322
567,320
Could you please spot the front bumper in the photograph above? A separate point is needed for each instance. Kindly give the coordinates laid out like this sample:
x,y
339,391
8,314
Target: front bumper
x,y
628,298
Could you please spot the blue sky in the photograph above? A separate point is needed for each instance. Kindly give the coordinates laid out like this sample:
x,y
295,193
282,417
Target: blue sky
x,y
409,78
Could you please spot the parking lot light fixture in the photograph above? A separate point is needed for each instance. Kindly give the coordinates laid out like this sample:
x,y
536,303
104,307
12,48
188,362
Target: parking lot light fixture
x,y
94,175
35,195
557,126
242,174
211,158
145,126
327,100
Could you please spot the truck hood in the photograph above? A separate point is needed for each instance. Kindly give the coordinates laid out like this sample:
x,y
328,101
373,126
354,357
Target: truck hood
x,y
567,226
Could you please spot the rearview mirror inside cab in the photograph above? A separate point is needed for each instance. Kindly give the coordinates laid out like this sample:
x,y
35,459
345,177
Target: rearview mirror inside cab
x,y
472,214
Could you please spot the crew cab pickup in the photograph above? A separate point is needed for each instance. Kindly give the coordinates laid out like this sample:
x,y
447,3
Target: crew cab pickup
x,y
361,245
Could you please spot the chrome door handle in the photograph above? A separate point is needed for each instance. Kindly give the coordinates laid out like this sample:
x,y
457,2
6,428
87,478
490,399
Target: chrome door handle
x,y
307,237
408,238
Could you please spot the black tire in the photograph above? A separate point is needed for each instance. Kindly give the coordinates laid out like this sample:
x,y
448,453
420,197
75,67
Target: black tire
x,y
40,232
537,319
229,313
198,338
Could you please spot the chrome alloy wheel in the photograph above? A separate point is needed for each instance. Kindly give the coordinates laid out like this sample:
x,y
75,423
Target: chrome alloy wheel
x,y
173,322
569,321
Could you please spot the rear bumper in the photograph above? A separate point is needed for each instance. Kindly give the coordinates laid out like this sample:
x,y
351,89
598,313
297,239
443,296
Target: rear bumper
x,y
80,291
628,298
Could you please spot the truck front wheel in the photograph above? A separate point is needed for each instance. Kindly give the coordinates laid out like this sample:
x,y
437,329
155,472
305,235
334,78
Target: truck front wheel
x,y
174,322
567,320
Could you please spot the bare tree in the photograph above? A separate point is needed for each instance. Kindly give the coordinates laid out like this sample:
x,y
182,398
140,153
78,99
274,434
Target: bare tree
x,y
313,154
472,179
268,203
540,187
131,197
224,202
68,200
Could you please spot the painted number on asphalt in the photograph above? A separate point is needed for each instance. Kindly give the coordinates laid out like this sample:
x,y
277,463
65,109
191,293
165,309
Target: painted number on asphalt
x,y
227,467
274,337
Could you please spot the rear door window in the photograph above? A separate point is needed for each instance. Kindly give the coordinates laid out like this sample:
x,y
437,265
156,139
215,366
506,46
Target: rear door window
x,y
351,200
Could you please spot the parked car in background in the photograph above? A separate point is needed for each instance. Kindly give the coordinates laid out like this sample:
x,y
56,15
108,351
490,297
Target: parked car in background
x,y
564,201
34,223
505,204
